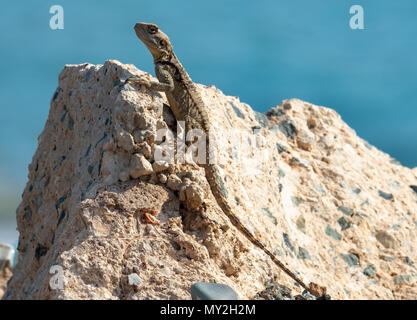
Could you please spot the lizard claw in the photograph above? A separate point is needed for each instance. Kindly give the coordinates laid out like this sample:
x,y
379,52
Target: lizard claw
x,y
140,81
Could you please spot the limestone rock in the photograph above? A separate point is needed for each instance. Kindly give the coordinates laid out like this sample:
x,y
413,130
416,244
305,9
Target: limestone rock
x,y
139,166
335,210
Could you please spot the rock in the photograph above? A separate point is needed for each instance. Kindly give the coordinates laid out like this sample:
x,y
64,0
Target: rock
x,y
305,140
400,279
408,261
159,166
125,141
385,239
387,258
162,178
139,166
269,214
262,119
212,291
174,182
134,279
343,223
288,128
83,213
347,211
301,224
351,259
288,242
274,291
303,254
193,196
369,271
145,149
332,233
280,148
237,110
386,196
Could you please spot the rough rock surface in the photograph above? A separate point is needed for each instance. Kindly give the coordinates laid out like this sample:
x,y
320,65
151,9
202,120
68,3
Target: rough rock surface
x,y
335,209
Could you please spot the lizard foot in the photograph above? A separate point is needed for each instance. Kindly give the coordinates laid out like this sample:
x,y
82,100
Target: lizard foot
x,y
139,80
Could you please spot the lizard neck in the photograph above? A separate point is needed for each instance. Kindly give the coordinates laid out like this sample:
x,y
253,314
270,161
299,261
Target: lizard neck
x,y
171,58
165,57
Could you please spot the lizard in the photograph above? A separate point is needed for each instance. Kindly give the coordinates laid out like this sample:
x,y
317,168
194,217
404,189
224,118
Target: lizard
x,y
187,105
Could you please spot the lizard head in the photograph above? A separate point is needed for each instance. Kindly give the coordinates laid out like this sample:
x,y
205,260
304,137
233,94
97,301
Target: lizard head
x,y
154,39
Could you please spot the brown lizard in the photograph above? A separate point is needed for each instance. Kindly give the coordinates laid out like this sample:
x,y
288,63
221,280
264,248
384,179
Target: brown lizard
x,y
187,105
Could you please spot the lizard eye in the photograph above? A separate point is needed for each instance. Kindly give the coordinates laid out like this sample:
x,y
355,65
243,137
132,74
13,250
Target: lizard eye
x,y
152,29
162,43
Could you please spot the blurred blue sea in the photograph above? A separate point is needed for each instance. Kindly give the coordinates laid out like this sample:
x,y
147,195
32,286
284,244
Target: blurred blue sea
x,y
263,52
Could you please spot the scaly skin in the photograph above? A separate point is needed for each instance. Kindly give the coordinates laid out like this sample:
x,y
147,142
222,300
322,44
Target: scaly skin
x,y
187,105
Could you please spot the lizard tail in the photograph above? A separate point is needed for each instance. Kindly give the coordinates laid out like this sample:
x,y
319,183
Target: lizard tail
x,y
220,193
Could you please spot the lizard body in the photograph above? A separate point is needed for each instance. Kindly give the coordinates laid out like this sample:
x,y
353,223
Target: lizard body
x,y
187,105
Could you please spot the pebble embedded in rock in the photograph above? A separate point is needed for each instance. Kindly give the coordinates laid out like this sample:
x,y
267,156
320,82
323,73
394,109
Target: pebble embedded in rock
x,y
386,196
261,118
332,233
344,224
400,279
280,148
134,279
301,224
303,254
288,128
270,215
288,242
387,258
351,259
408,261
369,271
295,201
385,239
305,140
347,211
237,110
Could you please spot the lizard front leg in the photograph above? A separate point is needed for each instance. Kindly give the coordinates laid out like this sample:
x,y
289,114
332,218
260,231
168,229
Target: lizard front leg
x,y
165,83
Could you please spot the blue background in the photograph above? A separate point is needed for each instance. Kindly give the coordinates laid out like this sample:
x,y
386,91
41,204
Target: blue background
x,y
263,52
